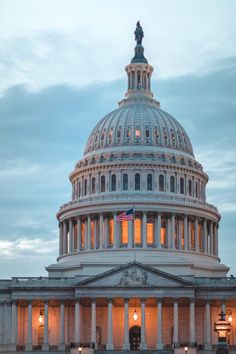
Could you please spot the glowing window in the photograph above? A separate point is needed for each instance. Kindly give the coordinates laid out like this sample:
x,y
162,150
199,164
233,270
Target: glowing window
x,y
128,133
113,183
161,183
150,229
137,181
92,234
103,181
192,235
125,182
82,235
93,185
163,231
181,185
124,232
110,135
137,231
137,133
172,184
111,232
149,182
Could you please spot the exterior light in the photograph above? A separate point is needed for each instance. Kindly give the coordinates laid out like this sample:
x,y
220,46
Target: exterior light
x,y
222,327
135,315
41,318
230,318
80,350
186,350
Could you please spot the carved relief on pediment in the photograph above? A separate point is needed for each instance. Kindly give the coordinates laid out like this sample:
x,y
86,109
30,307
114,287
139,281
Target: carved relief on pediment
x,y
134,277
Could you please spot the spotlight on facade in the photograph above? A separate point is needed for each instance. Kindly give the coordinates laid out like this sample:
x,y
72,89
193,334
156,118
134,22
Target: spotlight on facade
x,y
41,318
222,327
186,350
135,315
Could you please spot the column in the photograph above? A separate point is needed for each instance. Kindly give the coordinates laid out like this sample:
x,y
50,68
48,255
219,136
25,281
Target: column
x,y
208,327
159,344
64,237
185,232
105,232
88,233
45,345
158,230
180,233
95,226
144,230
77,321
93,323
126,344
212,238
189,234
62,326
173,231
101,232
5,323
216,240
13,325
70,236
192,339
143,344
205,241
29,330
110,345
60,239
79,234
116,241
130,233
196,235
169,238
176,324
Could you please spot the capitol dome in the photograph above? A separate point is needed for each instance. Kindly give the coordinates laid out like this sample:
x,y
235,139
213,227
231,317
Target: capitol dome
x,y
138,194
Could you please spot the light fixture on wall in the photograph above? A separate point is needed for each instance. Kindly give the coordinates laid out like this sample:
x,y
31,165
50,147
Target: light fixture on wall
x,y
230,318
135,315
41,317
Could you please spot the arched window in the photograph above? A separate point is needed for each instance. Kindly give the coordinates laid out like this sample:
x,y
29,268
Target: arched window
x,y
149,182
161,183
172,184
113,183
150,233
93,185
125,182
137,181
85,187
137,231
190,187
181,185
103,181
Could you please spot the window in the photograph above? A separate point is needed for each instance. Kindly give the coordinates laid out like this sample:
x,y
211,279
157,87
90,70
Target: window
x,y
147,133
150,235
124,232
137,133
164,136
196,189
128,133
156,135
113,183
79,189
92,234
137,231
137,181
161,183
103,184
111,232
93,185
110,135
163,231
125,182
149,182
82,235
181,185
85,187
172,184
190,187
118,134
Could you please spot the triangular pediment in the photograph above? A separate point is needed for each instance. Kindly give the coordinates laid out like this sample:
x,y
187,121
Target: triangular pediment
x,y
133,275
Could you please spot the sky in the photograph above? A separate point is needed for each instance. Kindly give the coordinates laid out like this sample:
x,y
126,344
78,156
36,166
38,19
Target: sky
x,y
62,69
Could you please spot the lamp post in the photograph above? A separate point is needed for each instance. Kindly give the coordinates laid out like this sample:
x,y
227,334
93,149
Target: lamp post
x,y
186,350
222,327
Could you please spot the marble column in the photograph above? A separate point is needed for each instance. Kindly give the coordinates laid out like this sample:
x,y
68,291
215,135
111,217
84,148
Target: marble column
x,y
212,238
144,230
110,345
60,239
116,240
62,326
205,236
185,232
189,234
77,321
130,234
208,327
45,345
126,344
79,234
93,322
158,231
29,346
176,323
180,223
13,325
159,345
105,231
88,233
70,236
64,237
143,344
173,231
196,235
101,232
95,226
216,240
192,338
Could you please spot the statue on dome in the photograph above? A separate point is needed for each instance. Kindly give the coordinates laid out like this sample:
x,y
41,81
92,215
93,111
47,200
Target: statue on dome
x,y
139,33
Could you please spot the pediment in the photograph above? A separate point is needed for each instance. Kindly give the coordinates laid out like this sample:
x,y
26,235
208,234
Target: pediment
x,y
133,275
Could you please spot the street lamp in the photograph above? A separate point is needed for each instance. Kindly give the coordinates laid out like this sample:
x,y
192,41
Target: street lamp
x,y
186,350
80,350
222,327
41,319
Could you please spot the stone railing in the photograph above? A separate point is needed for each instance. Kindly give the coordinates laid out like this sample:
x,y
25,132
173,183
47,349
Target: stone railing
x,y
42,281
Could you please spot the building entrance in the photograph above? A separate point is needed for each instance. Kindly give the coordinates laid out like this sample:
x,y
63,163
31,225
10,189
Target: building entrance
x,y
135,337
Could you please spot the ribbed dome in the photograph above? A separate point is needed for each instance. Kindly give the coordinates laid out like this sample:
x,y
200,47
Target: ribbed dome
x,y
139,123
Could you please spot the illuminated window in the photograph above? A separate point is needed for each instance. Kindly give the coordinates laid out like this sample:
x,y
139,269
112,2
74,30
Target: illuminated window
x,y
93,184
85,187
82,235
137,231
172,184
161,183
113,183
137,133
103,181
110,135
111,232
182,235
92,234
149,182
190,187
150,234
181,185
163,231
124,232
125,182
137,181
192,235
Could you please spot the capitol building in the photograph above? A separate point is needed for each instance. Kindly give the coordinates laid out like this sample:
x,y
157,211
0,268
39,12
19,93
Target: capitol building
x,y
138,264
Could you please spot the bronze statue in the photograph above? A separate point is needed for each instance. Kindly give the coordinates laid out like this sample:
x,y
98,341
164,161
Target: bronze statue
x,y
139,33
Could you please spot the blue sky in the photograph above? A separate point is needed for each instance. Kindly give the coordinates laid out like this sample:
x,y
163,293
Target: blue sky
x,y
62,64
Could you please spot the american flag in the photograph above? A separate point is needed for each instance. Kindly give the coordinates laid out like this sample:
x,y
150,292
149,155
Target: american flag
x,y
127,215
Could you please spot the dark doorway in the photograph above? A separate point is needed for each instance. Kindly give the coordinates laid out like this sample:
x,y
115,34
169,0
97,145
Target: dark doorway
x,y
135,337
